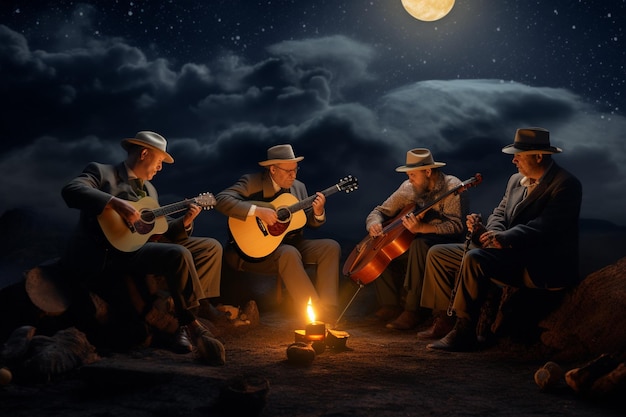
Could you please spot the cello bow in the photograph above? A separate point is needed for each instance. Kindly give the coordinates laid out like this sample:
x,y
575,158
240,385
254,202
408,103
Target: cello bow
x,y
372,255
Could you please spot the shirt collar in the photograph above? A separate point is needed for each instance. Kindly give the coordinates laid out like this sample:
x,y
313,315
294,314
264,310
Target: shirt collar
x,y
130,172
527,182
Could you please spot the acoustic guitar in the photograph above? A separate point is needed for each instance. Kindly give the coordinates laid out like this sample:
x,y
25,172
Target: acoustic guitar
x,y
372,255
130,237
256,239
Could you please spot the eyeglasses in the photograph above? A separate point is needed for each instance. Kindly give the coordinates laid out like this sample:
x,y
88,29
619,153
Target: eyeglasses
x,y
289,171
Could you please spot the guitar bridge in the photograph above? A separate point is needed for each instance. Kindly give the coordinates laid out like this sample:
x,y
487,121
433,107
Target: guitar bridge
x,y
131,227
259,222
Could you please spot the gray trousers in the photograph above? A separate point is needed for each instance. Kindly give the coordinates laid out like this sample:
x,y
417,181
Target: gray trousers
x,y
192,269
480,269
288,261
406,273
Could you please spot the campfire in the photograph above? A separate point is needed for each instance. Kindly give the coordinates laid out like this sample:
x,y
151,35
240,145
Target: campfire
x,y
318,335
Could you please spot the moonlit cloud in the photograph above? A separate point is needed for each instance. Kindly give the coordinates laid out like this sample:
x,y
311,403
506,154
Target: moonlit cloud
x,y
74,104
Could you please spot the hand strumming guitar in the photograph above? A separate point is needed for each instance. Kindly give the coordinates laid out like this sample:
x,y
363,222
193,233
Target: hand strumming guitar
x,y
268,215
125,209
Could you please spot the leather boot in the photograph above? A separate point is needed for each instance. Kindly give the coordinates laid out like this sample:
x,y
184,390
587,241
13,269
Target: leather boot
x,y
442,324
387,312
405,321
461,338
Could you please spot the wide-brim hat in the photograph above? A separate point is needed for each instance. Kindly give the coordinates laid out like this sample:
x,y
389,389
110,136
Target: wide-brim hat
x,y
279,154
419,158
531,139
150,140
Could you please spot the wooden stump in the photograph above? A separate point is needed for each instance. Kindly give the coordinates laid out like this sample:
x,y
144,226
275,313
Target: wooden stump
x,y
46,290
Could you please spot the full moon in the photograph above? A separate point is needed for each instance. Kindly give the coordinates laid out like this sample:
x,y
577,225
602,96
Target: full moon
x,y
428,10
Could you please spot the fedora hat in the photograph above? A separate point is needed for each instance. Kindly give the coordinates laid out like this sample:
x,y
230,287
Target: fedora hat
x,y
419,158
150,140
531,139
279,154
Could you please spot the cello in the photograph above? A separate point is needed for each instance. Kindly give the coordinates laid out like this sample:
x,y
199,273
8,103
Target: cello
x,y
372,255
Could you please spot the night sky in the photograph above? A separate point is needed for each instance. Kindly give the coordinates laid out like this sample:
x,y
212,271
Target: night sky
x,y
351,84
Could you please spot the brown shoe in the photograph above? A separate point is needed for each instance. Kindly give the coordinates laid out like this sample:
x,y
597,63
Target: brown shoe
x,y
181,342
442,324
405,321
386,313
208,348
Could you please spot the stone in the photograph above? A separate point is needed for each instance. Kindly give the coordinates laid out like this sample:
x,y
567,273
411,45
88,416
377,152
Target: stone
x,y
300,353
585,323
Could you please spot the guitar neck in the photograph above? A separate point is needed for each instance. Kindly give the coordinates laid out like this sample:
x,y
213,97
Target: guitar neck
x,y
301,205
172,208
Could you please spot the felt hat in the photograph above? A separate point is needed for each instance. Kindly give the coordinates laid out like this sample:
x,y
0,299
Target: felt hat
x,y
150,140
419,158
279,154
531,139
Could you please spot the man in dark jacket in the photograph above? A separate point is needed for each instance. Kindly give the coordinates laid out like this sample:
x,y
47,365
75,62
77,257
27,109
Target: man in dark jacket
x,y
270,241
530,240
110,241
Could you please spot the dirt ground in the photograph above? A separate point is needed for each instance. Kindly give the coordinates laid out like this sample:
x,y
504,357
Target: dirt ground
x,y
380,372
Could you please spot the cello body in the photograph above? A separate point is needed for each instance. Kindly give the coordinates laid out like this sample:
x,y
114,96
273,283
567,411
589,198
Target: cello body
x,y
373,254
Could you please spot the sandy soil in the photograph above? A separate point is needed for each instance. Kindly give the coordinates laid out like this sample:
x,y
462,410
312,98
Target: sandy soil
x,y
380,372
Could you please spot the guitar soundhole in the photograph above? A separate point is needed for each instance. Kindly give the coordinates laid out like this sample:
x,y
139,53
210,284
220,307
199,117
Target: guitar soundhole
x,y
147,216
146,224
284,215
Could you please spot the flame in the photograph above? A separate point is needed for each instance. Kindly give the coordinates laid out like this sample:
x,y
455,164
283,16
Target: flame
x,y
310,312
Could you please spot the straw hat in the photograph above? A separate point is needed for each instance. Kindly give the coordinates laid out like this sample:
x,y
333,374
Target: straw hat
x,y
531,139
419,158
150,140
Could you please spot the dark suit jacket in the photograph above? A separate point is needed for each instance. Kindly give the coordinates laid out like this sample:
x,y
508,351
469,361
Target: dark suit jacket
x,y
236,200
543,227
90,192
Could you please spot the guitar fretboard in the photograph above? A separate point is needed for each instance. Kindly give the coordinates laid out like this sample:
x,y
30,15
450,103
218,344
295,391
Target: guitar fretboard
x,y
300,205
172,208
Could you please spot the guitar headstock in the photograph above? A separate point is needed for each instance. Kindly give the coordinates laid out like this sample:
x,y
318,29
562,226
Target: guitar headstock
x,y
348,184
205,200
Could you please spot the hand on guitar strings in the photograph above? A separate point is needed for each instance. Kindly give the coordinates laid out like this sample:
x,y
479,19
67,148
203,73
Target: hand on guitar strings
x,y
268,215
410,221
318,204
126,210
413,223
192,212
375,230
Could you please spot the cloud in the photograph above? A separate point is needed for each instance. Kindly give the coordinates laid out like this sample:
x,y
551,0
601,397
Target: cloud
x,y
347,60
70,106
450,116
34,174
